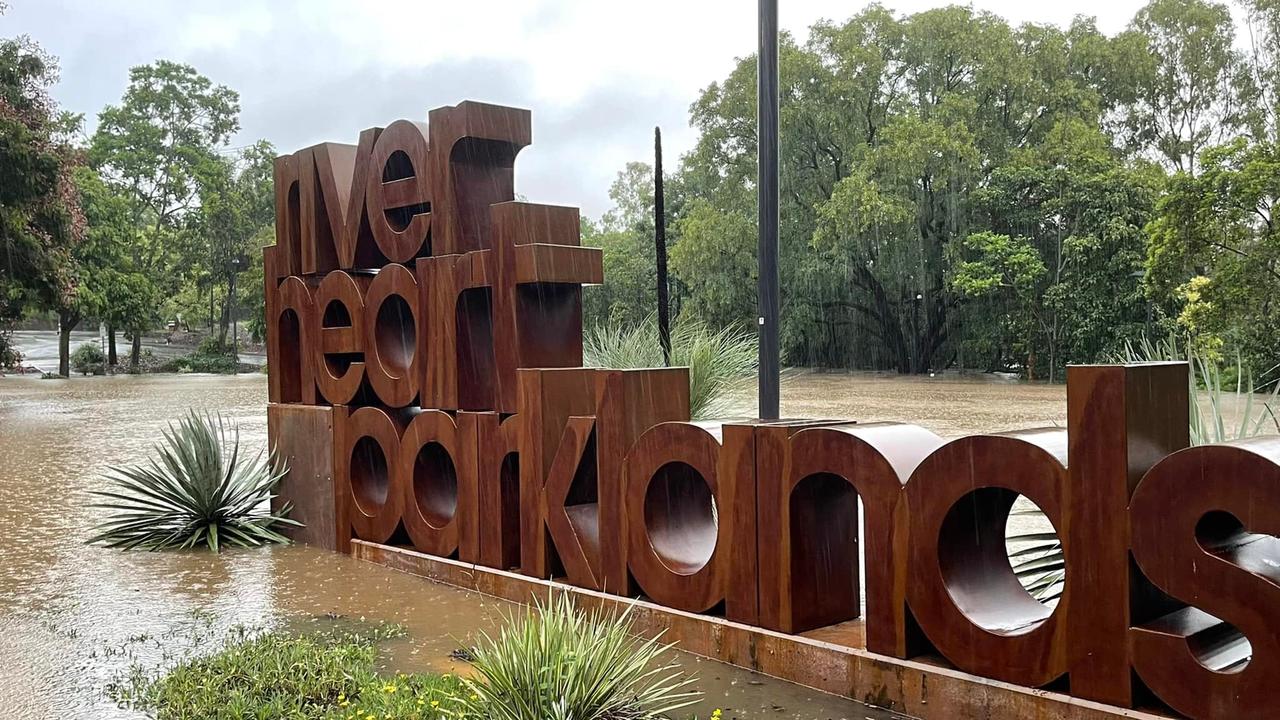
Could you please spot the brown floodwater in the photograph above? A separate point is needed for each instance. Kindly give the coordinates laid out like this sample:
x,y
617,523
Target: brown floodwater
x,y
74,618
949,404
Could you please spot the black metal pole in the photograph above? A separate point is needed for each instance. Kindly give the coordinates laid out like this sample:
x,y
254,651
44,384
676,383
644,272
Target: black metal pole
x,y
767,182
660,248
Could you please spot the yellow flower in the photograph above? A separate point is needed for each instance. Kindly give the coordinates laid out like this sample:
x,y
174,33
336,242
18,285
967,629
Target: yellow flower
x,y
715,714
341,697
390,688
435,703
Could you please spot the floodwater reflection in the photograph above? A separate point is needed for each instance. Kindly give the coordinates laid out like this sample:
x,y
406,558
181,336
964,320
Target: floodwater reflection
x,y
74,618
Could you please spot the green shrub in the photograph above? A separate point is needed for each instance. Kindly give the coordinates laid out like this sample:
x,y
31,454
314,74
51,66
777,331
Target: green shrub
x,y
555,662
199,490
208,357
88,359
9,355
1212,388
215,364
717,359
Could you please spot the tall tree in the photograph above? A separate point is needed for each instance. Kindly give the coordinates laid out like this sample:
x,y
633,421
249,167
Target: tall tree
x,y
40,218
154,147
625,235
1194,86
1214,251
237,204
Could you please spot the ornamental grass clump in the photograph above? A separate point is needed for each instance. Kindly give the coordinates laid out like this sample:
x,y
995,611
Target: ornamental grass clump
x,y
197,490
555,662
717,359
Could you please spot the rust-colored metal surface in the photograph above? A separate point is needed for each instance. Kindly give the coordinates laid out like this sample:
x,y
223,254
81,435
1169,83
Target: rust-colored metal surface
x,y
1206,523
368,460
576,426
961,588
424,334
1121,421
497,456
439,487
304,435
338,326
289,322
811,505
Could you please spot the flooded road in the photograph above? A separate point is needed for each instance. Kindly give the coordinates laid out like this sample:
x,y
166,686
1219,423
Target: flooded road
x,y
74,618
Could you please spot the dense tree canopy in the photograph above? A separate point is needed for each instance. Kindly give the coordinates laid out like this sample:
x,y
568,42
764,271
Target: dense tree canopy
x,y
40,217
957,190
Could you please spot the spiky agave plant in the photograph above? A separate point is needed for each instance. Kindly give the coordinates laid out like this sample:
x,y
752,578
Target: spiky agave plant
x,y
555,662
197,490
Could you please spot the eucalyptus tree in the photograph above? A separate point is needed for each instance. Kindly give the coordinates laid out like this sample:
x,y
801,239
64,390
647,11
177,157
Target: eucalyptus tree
x,y
153,148
1194,87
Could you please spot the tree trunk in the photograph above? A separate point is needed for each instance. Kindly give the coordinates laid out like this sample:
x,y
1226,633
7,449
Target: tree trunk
x,y
135,354
111,346
224,322
67,322
660,247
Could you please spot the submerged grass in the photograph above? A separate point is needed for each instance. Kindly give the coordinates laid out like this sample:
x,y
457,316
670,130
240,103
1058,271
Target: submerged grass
x,y
553,662
322,676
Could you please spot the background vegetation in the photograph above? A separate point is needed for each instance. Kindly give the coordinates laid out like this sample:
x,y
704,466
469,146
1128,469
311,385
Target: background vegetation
x,y
957,192
141,225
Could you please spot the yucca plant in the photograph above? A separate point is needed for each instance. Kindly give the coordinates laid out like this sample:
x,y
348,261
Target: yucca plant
x,y
1036,557
197,490
555,662
1209,395
717,359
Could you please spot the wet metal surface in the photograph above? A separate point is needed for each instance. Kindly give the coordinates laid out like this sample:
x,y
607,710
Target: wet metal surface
x,y
73,618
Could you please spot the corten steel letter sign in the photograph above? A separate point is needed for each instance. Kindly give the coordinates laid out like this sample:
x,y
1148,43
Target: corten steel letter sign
x,y
425,344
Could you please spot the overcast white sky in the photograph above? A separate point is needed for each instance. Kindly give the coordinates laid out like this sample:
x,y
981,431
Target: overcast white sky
x,y
597,74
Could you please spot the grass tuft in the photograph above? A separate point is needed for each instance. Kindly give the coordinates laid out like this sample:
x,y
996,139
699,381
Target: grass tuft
x,y
323,676
555,662
717,359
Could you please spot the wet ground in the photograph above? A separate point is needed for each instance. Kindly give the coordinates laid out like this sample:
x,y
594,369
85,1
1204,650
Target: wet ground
x,y
74,618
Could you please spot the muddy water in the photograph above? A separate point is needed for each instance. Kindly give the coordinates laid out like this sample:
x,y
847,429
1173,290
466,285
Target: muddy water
x,y
74,618
949,405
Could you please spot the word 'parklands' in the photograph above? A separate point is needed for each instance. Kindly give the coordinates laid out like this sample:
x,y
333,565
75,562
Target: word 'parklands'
x,y
424,340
